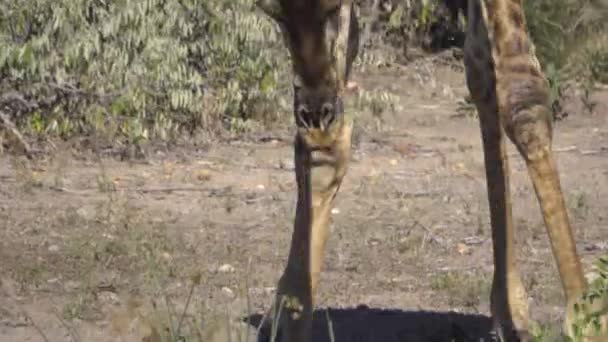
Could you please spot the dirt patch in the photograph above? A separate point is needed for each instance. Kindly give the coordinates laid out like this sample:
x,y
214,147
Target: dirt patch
x,y
192,240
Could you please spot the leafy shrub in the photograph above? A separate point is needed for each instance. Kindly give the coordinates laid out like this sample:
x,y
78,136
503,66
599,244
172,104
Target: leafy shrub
x,y
133,70
432,25
592,311
136,69
571,36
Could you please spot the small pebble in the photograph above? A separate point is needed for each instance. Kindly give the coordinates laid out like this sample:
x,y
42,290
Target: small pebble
x,y
227,291
226,268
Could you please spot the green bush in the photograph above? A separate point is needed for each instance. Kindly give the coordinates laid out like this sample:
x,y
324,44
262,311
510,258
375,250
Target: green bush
x,y
592,311
428,24
571,36
136,69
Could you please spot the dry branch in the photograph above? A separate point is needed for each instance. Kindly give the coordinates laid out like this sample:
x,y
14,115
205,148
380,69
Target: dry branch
x,y
15,137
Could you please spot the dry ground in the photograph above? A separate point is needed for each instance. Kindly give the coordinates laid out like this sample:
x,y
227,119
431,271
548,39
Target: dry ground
x,y
93,248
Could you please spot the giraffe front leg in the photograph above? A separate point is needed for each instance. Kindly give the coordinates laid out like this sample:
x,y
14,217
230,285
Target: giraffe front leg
x,y
509,301
321,160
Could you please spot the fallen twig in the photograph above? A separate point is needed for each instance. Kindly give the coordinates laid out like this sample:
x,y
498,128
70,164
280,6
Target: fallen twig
x,y
211,191
432,236
86,191
463,268
416,194
68,191
603,149
565,149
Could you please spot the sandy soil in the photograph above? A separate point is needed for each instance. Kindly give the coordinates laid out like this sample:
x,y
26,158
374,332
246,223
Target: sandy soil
x,y
92,249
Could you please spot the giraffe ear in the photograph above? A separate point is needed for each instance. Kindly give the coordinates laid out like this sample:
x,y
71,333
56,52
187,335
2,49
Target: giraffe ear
x,y
271,7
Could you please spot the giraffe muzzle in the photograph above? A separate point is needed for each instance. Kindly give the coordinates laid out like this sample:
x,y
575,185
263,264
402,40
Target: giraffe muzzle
x,y
320,116
319,125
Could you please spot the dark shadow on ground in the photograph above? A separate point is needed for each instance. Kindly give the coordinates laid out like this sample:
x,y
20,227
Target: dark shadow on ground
x,y
363,324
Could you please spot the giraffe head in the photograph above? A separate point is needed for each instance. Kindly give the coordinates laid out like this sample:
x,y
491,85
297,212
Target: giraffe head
x,y
322,38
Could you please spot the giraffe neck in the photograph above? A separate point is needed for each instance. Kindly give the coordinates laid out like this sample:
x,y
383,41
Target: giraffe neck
x,y
507,24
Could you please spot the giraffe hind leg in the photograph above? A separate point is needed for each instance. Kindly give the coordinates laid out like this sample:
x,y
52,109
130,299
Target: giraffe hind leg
x,y
522,97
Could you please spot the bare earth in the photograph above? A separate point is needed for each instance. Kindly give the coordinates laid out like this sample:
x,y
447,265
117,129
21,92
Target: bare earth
x,y
93,249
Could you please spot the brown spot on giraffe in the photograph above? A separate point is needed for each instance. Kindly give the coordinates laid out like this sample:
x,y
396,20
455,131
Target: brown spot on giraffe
x,y
523,67
517,17
517,45
510,94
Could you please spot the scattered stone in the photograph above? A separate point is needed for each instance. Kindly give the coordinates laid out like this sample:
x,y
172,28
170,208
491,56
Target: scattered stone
x,y
226,268
72,285
108,236
203,175
108,297
374,241
596,246
286,164
86,213
463,249
228,292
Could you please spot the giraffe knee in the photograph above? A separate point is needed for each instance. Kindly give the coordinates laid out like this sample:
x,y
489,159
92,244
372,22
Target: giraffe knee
x,y
530,130
525,112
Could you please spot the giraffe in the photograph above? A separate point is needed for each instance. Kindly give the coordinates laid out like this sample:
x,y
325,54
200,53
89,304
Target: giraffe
x,y
511,95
